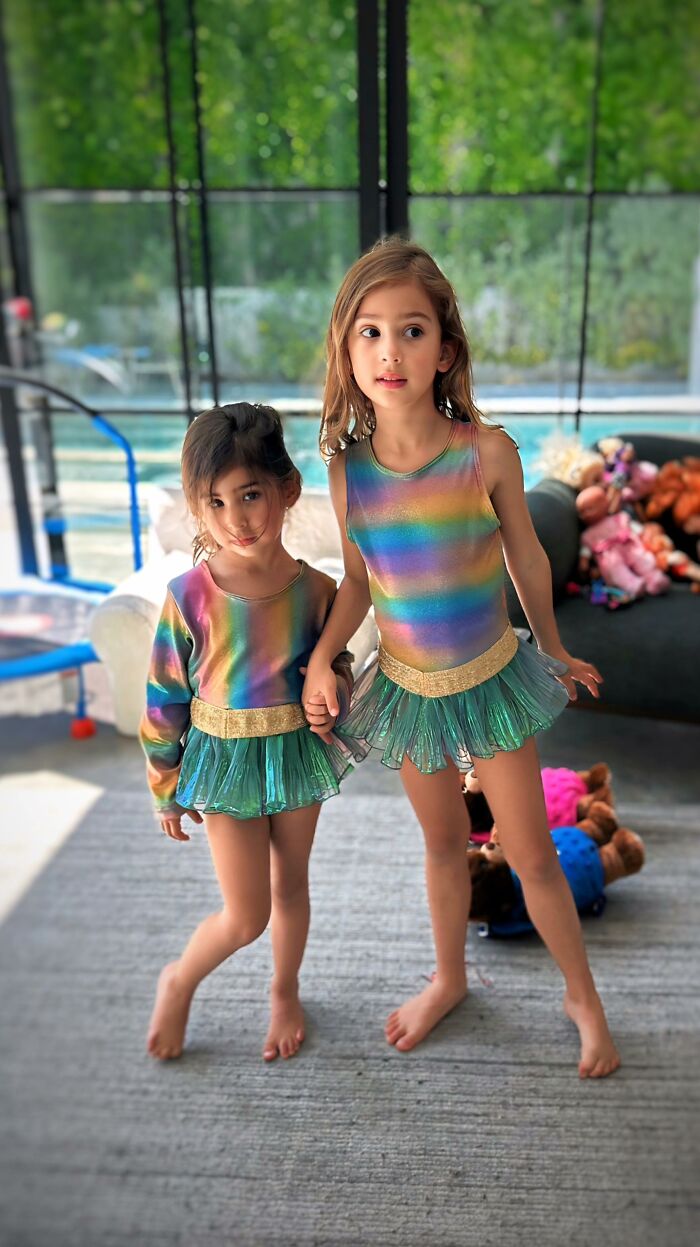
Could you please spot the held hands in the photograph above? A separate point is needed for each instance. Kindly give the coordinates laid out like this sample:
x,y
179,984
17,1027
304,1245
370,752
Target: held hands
x,y
320,706
579,672
170,824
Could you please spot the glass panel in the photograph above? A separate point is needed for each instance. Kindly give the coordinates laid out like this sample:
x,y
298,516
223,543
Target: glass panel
x,y
87,90
517,267
649,110
94,496
499,94
279,92
644,314
278,261
105,290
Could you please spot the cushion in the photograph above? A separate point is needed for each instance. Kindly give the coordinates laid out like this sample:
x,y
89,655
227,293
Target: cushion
x,y
647,653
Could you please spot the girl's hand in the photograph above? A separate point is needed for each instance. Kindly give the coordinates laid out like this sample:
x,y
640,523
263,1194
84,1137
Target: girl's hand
x,y
170,824
579,672
319,715
319,719
320,681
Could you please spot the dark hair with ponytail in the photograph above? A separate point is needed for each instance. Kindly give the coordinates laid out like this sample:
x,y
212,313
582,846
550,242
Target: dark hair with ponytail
x,y
239,435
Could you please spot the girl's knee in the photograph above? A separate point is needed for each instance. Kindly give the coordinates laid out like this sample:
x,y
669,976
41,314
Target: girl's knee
x,y
537,867
244,926
289,889
443,844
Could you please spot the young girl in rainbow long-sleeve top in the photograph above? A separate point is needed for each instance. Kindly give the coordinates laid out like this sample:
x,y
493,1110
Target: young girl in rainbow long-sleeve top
x,y
429,499
224,732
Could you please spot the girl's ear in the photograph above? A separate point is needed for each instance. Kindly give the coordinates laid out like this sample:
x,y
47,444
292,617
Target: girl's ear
x,y
448,352
292,492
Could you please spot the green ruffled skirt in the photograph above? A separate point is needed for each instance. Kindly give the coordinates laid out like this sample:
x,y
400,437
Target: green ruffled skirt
x,y
255,775
500,714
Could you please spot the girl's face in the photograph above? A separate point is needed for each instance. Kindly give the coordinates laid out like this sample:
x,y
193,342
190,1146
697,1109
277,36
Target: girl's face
x,y
396,347
244,512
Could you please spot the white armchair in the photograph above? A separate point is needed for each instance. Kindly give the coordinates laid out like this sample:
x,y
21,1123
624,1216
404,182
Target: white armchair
x,y
124,624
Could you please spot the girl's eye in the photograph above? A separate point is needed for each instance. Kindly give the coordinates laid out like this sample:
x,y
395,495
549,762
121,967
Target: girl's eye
x,y
251,496
414,331
215,502
369,332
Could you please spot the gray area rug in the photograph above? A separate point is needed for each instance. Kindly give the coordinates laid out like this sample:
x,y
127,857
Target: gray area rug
x,y
483,1136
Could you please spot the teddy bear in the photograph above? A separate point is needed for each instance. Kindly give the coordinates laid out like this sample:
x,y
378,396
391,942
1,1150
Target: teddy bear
x,y
497,900
621,558
676,496
582,797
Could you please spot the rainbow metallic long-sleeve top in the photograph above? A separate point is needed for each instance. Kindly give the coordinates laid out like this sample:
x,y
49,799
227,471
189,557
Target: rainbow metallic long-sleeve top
x,y
239,653
432,546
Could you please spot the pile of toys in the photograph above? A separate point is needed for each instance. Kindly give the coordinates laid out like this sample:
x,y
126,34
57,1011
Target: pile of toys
x,y
625,551
593,849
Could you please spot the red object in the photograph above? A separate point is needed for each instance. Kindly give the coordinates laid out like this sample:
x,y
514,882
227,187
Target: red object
x,y
80,729
21,307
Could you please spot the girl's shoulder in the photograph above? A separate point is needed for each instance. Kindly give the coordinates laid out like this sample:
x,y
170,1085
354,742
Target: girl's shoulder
x,y
194,580
320,583
497,457
494,445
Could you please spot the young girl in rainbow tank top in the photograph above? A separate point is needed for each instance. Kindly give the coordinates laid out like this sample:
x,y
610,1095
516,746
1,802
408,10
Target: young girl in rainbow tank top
x,y
429,499
224,732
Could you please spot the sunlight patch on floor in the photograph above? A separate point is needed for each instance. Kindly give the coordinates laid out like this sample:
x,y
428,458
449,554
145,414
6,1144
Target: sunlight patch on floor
x,y
40,811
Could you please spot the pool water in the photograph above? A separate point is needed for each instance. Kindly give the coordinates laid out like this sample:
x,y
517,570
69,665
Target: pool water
x,y
83,455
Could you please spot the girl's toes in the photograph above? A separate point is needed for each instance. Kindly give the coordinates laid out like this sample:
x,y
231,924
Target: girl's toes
x,y
269,1052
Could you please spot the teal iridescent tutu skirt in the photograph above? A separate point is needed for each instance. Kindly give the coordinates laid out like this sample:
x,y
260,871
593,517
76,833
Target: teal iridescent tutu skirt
x,y
523,698
255,775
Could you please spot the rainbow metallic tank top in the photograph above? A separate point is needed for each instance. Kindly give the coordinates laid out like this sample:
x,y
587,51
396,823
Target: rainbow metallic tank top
x,y
431,542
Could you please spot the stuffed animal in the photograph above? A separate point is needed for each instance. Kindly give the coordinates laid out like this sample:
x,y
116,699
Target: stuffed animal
x,y
676,495
582,797
672,561
497,895
621,558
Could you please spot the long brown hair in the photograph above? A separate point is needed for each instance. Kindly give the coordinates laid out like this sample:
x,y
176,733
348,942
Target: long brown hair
x,y
239,435
347,414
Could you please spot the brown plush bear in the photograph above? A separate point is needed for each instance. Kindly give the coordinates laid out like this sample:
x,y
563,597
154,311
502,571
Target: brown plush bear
x,y
570,798
589,861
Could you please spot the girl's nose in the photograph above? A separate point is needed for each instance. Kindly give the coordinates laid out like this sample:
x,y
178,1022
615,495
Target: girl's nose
x,y
391,353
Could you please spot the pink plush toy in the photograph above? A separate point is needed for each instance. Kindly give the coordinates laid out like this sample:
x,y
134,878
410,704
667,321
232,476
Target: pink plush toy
x,y
623,560
563,789
582,798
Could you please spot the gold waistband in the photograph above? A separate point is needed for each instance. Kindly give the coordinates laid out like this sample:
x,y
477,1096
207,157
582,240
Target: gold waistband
x,y
454,679
235,724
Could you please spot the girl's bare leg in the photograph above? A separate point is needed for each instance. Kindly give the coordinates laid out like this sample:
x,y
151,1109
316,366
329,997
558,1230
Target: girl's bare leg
x,y
240,850
292,836
439,807
513,788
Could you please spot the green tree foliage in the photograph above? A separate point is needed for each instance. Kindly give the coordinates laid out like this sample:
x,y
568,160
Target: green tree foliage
x,y
500,104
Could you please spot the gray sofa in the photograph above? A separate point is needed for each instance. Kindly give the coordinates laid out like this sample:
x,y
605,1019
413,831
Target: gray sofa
x,y
649,652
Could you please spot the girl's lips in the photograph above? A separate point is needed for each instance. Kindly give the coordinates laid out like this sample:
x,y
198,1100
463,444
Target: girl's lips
x,y
244,541
391,383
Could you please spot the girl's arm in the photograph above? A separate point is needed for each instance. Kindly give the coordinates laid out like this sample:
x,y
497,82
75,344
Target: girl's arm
x,y
352,601
167,715
526,560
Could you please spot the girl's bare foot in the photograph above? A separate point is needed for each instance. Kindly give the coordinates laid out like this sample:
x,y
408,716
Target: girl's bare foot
x,y
410,1023
599,1056
166,1032
286,1031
